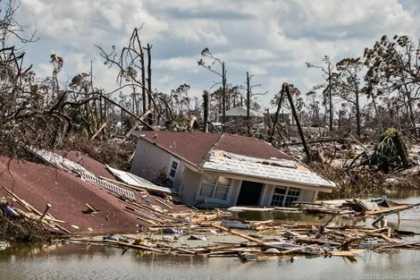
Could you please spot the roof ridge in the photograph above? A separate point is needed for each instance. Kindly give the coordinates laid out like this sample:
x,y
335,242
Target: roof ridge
x,y
246,137
212,147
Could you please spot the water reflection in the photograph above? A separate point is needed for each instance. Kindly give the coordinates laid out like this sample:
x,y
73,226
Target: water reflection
x,y
99,262
400,196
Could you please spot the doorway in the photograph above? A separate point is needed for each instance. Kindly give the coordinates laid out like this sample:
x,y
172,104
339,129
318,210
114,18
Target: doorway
x,y
250,194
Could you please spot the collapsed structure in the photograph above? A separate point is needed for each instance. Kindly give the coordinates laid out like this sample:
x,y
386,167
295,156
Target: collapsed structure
x,y
222,170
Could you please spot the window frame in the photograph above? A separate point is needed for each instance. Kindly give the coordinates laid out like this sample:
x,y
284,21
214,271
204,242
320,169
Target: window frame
x,y
212,199
286,195
170,169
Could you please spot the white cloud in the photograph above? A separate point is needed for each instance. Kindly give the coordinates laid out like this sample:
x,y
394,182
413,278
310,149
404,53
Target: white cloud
x,y
272,39
206,32
83,23
187,64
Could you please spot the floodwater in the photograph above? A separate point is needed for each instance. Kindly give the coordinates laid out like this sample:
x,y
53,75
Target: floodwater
x,y
99,262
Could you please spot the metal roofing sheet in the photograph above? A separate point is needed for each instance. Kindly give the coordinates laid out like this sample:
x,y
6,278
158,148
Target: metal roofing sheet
x,y
137,181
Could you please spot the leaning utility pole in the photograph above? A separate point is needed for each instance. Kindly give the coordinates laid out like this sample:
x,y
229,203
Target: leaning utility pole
x,y
273,130
295,116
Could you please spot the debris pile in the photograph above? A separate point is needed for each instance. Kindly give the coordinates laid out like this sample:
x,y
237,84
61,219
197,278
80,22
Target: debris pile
x,y
362,168
20,226
265,239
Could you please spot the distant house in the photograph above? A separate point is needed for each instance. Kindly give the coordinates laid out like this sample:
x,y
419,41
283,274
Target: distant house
x,y
240,112
221,170
283,117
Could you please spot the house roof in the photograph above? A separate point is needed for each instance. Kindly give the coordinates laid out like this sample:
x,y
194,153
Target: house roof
x,y
275,170
240,111
39,184
194,148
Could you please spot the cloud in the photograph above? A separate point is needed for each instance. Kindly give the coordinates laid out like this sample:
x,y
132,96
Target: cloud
x,y
271,39
84,23
186,64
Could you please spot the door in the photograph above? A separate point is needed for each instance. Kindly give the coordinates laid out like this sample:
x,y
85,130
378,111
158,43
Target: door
x,y
250,193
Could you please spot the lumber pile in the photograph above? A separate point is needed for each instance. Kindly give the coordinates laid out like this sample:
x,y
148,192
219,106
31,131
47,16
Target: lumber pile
x,y
355,207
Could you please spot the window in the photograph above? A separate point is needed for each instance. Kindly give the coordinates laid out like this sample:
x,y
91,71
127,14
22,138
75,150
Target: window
x,y
292,196
278,196
284,196
173,168
215,187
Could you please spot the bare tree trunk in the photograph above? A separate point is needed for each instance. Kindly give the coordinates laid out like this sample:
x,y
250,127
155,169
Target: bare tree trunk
x,y
381,126
224,93
149,81
143,80
411,111
358,124
330,98
206,108
248,103
101,109
134,103
136,99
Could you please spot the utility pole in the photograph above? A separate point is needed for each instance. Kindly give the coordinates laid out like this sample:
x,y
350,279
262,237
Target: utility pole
x,y
273,130
292,106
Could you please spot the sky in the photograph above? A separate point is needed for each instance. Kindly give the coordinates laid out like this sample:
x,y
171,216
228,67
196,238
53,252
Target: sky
x,y
272,39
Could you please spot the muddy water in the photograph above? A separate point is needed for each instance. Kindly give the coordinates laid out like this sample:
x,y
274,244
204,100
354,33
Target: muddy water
x,y
98,262
410,219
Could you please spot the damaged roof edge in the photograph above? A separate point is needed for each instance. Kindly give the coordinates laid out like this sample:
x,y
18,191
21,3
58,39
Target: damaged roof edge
x,y
327,188
190,164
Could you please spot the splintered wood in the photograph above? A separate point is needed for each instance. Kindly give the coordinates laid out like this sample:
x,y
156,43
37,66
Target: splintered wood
x,y
288,239
46,220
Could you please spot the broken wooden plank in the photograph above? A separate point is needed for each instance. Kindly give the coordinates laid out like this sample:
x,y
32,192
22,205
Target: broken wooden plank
x,y
90,207
141,247
388,210
248,237
163,203
22,202
349,253
63,229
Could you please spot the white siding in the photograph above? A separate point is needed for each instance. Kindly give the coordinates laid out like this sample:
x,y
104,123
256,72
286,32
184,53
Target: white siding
x,y
189,187
267,194
307,195
149,160
235,192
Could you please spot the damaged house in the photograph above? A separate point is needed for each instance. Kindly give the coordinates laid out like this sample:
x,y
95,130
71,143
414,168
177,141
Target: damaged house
x,y
222,170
